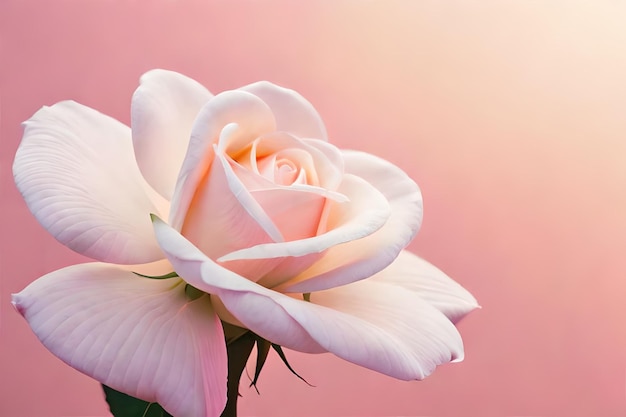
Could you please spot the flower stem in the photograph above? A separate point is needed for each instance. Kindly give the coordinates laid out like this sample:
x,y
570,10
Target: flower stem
x,y
239,351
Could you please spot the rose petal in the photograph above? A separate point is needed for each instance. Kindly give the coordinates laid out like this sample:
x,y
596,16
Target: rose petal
x,y
425,333
254,182
413,273
248,113
296,214
326,161
282,203
162,113
366,212
331,167
189,261
140,336
224,216
76,170
294,114
379,326
325,166
284,270
358,259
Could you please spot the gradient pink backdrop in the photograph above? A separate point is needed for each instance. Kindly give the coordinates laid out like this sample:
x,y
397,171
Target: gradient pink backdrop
x,y
510,115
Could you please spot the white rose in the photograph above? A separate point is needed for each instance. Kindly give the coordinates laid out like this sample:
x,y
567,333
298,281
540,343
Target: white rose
x,y
284,234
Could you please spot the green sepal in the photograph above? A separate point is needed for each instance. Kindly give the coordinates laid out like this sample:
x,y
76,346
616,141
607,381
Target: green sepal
x,y
280,352
123,405
192,292
262,349
166,276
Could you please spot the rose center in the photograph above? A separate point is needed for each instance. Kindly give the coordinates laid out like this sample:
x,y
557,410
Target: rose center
x,y
287,167
285,172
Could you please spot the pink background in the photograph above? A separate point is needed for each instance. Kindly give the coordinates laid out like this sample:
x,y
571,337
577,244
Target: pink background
x,y
510,115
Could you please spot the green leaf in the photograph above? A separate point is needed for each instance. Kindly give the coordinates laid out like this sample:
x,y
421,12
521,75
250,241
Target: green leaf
x,y
122,405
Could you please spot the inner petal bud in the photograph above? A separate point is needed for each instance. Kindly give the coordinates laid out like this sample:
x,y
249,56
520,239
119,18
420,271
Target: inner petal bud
x,y
280,158
285,172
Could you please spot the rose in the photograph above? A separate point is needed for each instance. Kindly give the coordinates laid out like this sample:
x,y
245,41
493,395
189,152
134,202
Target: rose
x,y
270,228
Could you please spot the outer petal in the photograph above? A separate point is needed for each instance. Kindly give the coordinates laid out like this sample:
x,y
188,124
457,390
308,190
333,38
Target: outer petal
x,y
412,273
189,262
140,336
294,114
362,258
162,113
76,170
249,118
375,325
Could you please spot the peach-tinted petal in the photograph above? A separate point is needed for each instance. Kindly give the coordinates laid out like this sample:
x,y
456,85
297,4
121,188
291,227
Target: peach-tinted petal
x,y
323,163
294,114
379,326
224,216
76,169
144,337
428,282
296,214
273,271
162,113
366,212
362,258
323,171
249,118
254,181
331,167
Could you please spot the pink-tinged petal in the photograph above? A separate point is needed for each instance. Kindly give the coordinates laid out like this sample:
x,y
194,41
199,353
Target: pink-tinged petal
x,y
379,326
224,216
251,118
274,271
245,199
285,269
137,335
191,264
428,282
296,214
324,165
162,113
324,181
254,182
399,324
362,258
289,166
331,167
365,213
294,114
76,170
